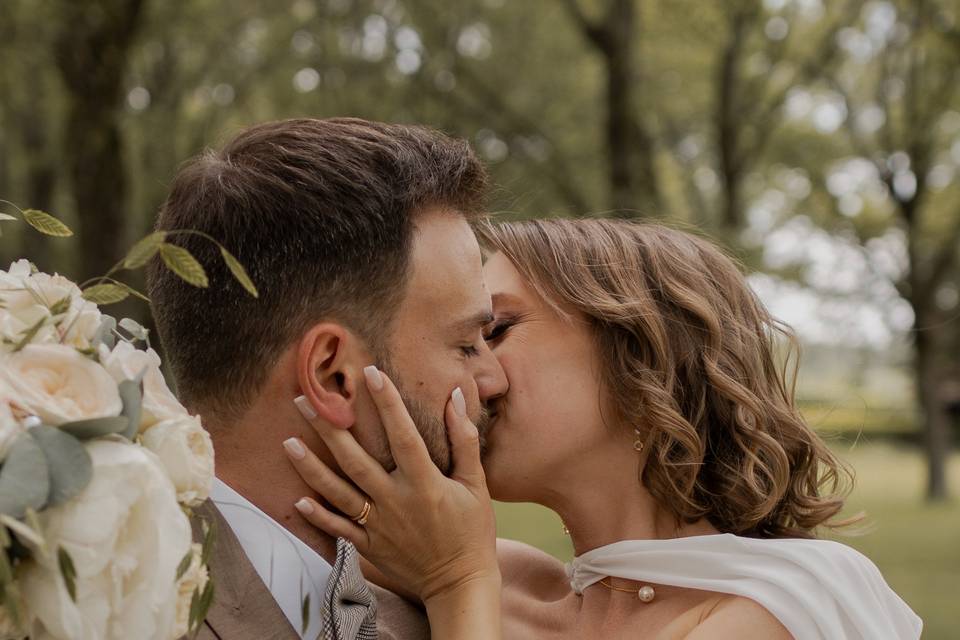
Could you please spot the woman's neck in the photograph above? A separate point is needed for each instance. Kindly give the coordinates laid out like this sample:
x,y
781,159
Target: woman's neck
x,y
613,506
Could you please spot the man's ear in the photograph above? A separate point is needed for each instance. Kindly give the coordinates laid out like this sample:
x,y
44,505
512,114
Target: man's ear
x,y
326,374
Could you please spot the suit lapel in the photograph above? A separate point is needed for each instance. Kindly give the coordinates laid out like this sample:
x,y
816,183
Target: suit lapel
x,y
242,606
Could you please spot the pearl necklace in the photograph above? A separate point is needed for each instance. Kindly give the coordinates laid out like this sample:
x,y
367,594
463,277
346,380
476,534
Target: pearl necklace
x,y
645,593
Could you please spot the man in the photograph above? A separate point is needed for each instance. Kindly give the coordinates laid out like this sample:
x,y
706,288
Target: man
x,y
357,236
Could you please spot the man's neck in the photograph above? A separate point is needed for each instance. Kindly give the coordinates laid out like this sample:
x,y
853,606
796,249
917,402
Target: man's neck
x,y
263,474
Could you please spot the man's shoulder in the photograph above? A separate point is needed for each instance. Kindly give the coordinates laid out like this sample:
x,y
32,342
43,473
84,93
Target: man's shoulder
x,y
397,618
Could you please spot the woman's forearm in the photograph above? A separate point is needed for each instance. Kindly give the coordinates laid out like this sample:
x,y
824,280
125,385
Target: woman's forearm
x,y
469,612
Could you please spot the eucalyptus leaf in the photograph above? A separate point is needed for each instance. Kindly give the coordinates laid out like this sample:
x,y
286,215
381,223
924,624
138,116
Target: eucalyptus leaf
x,y
96,427
144,249
131,394
60,306
106,293
135,329
46,223
239,272
184,565
105,333
68,571
70,466
30,334
182,263
24,478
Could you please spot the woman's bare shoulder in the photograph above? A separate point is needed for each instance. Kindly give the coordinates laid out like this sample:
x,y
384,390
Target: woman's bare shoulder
x,y
740,618
522,565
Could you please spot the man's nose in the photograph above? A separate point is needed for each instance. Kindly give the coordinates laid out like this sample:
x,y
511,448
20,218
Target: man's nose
x,y
491,379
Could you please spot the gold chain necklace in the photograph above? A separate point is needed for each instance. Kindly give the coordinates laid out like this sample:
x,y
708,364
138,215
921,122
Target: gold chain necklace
x,y
645,593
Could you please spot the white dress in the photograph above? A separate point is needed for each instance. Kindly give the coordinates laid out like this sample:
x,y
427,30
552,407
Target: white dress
x,y
818,589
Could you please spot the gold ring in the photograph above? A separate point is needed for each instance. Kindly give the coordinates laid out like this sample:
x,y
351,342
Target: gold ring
x,y
364,514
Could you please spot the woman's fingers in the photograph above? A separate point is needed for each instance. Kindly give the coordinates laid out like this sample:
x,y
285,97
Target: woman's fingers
x,y
352,459
464,443
409,451
333,524
335,490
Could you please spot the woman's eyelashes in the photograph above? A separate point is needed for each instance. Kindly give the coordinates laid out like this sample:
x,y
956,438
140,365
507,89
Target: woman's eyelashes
x,y
499,328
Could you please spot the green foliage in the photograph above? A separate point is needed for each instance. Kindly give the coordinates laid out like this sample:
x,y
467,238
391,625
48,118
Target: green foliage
x,y
46,224
68,463
143,250
68,571
182,263
24,478
239,272
106,293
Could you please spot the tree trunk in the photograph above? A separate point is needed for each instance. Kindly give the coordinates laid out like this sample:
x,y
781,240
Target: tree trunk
x,y
92,51
936,420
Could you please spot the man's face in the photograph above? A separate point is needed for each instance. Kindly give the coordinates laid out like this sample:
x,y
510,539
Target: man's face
x,y
437,342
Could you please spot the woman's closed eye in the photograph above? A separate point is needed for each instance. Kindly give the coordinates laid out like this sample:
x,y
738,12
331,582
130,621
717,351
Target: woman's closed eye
x,y
498,329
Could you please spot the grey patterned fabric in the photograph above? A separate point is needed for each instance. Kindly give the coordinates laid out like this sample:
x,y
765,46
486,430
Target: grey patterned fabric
x,y
349,606
354,609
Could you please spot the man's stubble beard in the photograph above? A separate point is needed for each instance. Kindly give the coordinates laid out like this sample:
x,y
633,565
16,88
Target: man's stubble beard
x,y
432,429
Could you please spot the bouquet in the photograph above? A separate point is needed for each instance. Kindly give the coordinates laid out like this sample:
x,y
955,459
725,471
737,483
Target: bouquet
x,y
100,464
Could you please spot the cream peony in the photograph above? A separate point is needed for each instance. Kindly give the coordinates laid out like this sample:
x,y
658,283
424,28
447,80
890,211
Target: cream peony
x,y
10,427
126,362
185,450
29,297
59,384
195,579
126,535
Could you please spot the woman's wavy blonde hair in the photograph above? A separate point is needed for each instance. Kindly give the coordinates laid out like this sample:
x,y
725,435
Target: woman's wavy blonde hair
x,y
688,356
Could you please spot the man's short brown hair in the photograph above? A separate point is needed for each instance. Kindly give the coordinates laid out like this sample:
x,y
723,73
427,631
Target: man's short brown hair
x,y
321,214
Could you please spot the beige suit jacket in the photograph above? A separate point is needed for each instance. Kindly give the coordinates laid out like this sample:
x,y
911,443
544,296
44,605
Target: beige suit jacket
x,y
244,609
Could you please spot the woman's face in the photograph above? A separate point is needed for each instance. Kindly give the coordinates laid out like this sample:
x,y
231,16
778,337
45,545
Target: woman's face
x,y
550,420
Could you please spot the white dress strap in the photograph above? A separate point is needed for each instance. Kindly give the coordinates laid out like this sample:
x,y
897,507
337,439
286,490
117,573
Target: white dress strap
x,y
818,589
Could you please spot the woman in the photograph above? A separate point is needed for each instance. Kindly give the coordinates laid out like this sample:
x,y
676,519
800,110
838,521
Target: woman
x,y
646,409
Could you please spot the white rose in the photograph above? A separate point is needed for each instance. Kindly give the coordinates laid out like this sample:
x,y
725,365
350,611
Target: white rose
x,y
126,362
10,426
28,298
60,385
185,450
195,579
126,535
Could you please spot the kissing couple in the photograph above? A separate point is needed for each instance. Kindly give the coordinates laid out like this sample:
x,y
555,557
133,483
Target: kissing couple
x,y
408,359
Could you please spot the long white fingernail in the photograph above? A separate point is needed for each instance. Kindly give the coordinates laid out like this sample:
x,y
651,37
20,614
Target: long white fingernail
x,y
459,404
305,408
303,506
374,379
294,448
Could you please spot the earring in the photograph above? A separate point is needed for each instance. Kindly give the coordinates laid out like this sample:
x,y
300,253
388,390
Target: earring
x,y
638,443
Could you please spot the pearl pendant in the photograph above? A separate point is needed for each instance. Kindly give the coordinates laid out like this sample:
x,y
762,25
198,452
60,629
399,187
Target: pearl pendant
x,y
646,593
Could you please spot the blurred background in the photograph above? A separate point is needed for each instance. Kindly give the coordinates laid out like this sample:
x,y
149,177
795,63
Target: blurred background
x,y
818,141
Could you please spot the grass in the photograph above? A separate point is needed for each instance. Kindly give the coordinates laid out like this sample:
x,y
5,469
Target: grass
x,y
916,545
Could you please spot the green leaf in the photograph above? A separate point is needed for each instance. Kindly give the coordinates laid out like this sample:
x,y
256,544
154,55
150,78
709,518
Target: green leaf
x,y
68,571
46,223
24,478
29,334
206,599
96,427
68,461
239,272
184,565
192,621
145,249
209,535
106,293
60,306
131,394
182,263
305,614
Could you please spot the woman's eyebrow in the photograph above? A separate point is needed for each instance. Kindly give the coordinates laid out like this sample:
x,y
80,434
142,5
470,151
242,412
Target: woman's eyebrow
x,y
503,298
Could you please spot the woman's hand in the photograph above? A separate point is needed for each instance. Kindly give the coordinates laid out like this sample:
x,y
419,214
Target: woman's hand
x,y
435,536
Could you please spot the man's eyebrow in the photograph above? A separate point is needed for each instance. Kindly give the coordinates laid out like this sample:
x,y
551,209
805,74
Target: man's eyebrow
x,y
476,321
505,298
